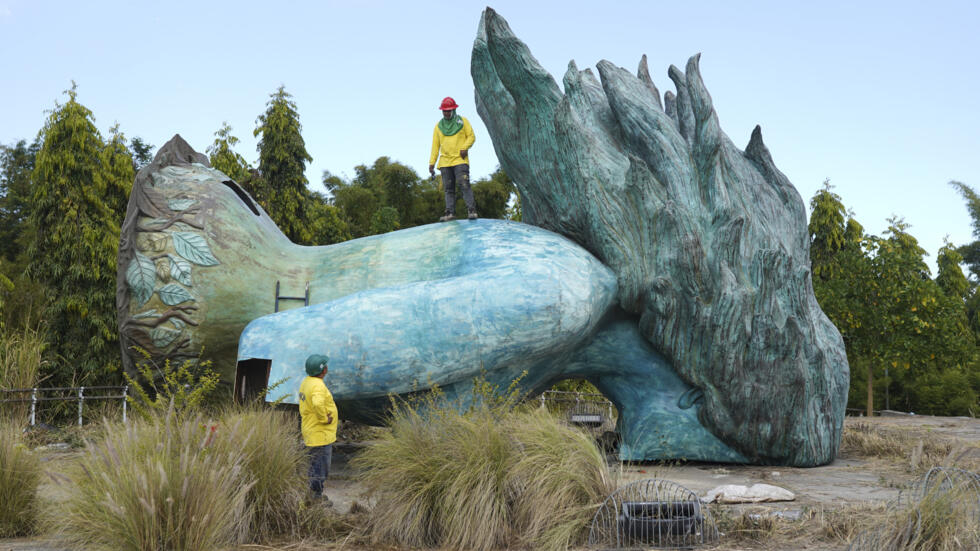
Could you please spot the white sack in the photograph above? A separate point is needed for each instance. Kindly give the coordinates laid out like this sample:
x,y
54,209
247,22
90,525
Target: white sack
x,y
733,493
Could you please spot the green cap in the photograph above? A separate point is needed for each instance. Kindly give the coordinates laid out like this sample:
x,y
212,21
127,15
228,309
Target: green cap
x,y
315,364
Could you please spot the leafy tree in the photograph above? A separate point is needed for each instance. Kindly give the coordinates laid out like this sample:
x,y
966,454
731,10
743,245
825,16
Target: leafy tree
x,y
75,235
357,205
384,220
282,165
841,275
326,225
392,185
903,332
921,331
365,201
392,182
492,196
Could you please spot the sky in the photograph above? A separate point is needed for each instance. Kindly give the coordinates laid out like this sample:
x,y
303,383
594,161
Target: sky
x,y
877,97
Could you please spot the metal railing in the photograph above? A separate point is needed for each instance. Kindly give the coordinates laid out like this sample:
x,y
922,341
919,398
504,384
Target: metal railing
x,y
68,394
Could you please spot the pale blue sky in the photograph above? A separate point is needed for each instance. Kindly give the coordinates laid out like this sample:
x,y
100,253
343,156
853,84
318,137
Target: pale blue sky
x,y
878,96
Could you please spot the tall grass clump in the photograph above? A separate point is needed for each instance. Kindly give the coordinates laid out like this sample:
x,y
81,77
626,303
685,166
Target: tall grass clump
x,y
275,461
156,485
185,481
943,520
20,475
21,355
492,476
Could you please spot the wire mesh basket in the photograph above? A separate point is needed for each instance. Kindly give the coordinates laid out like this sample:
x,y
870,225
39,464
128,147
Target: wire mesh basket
x,y
652,513
589,411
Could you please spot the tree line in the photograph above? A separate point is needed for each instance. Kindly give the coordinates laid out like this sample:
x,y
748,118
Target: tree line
x,y
63,197
911,339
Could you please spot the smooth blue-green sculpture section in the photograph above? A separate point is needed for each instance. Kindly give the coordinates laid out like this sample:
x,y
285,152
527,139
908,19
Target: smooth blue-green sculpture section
x,y
708,242
499,299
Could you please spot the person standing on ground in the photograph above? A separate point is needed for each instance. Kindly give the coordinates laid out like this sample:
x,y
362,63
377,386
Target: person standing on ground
x,y
451,141
319,423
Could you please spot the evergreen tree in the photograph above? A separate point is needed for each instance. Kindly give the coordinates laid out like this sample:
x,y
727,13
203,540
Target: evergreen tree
x,y
282,166
141,152
119,168
75,236
16,166
223,157
971,252
950,277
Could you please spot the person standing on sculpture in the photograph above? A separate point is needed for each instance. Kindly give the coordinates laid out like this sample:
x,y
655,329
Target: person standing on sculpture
x,y
452,139
318,413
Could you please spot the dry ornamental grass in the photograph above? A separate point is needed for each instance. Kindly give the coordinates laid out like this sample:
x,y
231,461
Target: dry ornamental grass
x,y
20,475
489,478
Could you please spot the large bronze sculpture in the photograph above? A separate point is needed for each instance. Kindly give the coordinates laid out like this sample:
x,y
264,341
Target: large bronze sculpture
x,y
672,271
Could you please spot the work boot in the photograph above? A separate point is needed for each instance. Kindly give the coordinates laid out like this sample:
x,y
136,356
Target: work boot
x,y
472,215
447,217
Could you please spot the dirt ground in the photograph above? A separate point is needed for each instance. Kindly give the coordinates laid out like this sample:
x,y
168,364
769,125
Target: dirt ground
x,y
852,480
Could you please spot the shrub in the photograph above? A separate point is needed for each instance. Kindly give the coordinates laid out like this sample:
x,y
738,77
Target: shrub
x,y
20,474
156,484
170,389
488,477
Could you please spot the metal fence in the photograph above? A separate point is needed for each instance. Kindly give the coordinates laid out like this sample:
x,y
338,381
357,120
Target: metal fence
x,y
65,394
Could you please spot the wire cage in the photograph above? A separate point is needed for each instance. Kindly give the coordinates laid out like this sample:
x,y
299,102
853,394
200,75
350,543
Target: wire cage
x,y
938,484
652,513
589,411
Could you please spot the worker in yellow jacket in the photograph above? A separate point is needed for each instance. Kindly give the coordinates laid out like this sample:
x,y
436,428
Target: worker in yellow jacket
x,y
452,139
319,423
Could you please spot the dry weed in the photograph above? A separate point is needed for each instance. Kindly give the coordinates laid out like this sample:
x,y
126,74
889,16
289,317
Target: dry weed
x,y
919,451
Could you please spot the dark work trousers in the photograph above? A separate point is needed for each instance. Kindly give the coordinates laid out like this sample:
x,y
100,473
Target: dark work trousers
x,y
453,176
320,457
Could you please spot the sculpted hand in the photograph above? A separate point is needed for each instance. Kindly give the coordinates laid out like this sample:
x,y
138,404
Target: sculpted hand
x,y
432,170
464,153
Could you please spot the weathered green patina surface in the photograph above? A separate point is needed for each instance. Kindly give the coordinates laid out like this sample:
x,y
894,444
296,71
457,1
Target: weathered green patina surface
x,y
708,242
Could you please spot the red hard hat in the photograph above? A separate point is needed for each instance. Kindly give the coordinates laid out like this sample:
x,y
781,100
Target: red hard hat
x,y
448,103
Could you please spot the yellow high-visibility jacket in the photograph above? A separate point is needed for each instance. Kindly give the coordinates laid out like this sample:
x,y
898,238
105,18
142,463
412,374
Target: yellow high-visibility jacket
x,y
450,145
318,412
